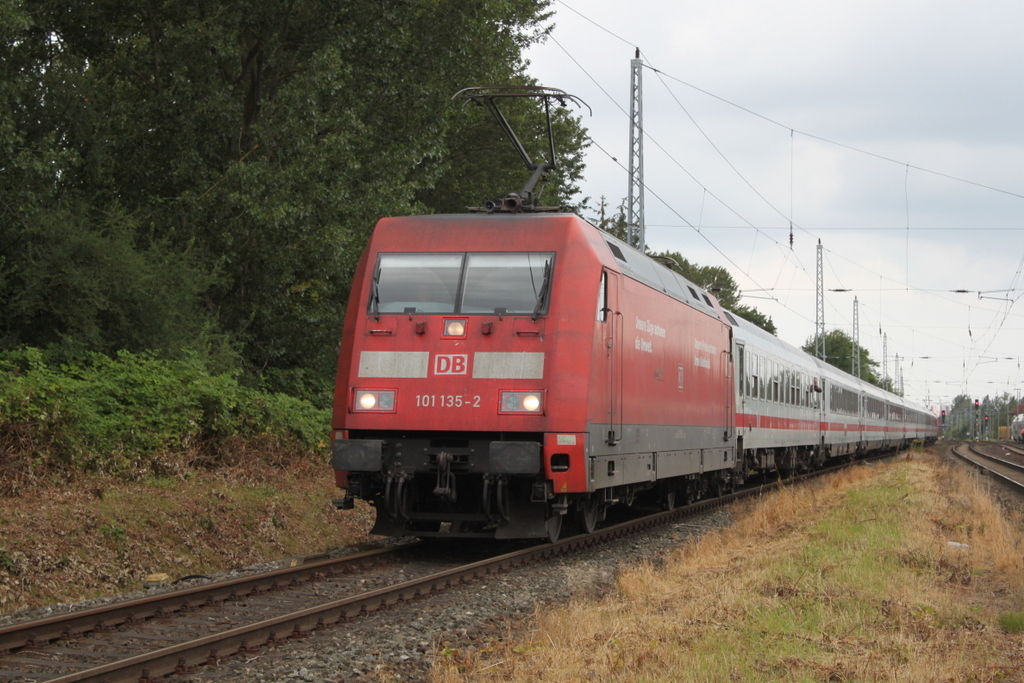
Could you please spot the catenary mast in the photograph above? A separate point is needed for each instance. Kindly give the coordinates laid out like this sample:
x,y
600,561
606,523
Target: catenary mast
x,y
635,200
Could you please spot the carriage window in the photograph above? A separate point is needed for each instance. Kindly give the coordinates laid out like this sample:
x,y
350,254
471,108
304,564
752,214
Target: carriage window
x,y
747,373
495,283
765,378
776,377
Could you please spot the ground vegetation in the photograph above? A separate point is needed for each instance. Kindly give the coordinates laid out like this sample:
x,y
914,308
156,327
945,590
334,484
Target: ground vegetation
x,y
198,179
903,572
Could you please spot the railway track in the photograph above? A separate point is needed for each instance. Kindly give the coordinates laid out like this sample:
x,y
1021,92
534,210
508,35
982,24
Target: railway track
x,y
1012,447
1006,471
144,640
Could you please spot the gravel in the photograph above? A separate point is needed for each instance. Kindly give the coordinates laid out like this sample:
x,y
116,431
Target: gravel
x,y
402,641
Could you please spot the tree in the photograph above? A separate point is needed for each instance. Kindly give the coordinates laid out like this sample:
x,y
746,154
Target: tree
x,y
481,162
615,223
232,159
965,421
719,282
839,353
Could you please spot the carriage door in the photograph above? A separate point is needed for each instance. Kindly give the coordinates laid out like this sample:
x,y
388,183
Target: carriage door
x,y
822,412
613,335
730,388
862,412
742,380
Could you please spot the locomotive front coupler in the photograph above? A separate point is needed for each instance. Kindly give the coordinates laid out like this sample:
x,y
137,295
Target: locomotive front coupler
x,y
445,489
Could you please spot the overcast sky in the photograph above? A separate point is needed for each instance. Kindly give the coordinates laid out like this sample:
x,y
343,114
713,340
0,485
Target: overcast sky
x,y
891,131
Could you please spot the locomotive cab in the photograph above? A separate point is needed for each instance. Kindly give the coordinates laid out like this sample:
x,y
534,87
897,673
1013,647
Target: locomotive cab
x,y
442,417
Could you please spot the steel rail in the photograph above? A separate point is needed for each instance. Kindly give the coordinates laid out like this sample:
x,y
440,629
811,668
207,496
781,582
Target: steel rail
x,y
187,656
1019,484
74,624
1013,447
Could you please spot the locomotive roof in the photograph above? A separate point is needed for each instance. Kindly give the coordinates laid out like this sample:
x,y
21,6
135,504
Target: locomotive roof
x,y
638,266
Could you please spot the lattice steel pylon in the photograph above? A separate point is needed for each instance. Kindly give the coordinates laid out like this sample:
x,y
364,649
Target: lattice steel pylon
x,y
896,372
635,199
856,340
819,309
885,359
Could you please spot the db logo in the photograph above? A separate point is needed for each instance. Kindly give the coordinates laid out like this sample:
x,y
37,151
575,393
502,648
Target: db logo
x,y
453,364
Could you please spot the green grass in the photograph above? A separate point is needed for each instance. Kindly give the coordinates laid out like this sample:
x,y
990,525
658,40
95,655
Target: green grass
x,y
1012,622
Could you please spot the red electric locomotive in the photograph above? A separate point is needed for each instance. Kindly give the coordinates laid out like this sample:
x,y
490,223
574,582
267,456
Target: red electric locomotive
x,y
499,371
502,372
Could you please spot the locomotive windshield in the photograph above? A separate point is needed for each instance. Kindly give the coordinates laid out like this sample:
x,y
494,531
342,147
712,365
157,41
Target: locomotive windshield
x,y
485,283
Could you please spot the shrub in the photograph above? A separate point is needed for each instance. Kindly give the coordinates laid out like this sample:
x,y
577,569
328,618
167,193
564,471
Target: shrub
x,y
114,415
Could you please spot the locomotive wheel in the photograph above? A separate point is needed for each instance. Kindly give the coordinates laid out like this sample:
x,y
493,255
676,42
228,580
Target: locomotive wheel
x,y
554,527
670,500
587,514
717,488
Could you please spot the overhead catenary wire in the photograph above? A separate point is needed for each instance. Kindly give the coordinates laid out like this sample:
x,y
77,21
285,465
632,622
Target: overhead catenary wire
x,y
789,219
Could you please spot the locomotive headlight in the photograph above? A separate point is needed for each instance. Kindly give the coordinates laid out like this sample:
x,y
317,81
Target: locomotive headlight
x,y
521,402
374,401
455,328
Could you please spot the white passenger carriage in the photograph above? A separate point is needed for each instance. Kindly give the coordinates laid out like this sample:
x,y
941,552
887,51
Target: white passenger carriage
x,y
1017,428
794,412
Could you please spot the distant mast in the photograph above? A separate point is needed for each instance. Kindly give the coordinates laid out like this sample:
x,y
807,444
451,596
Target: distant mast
x,y
635,201
819,310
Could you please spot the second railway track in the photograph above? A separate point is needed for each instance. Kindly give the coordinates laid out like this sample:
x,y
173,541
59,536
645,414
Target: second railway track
x,y
1009,472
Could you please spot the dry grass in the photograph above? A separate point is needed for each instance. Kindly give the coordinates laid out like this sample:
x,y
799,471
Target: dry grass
x,y
104,535
850,581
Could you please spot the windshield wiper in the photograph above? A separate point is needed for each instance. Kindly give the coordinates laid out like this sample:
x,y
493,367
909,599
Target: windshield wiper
x,y
543,290
375,294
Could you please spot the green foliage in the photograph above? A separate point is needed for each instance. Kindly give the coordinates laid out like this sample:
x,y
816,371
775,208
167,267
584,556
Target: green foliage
x,y
82,283
202,176
965,421
114,532
719,282
8,563
113,415
839,353
613,223
483,164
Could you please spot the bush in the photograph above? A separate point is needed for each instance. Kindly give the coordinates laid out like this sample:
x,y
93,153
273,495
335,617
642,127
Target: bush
x,y
118,415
